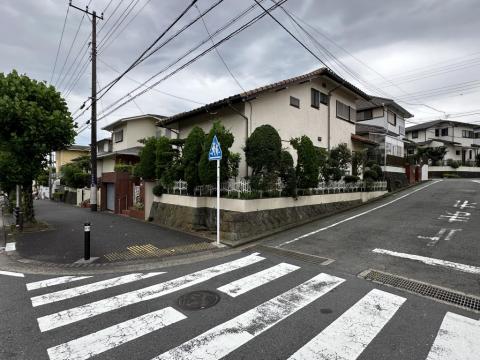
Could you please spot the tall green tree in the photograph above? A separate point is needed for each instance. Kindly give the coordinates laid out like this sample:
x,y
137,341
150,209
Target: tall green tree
x,y
77,173
191,155
148,154
208,169
34,120
307,162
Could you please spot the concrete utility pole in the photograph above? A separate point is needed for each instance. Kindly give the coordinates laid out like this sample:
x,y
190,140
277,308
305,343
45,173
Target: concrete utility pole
x,y
93,145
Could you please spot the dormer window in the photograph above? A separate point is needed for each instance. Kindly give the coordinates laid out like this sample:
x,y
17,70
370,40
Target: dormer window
x,y
118,136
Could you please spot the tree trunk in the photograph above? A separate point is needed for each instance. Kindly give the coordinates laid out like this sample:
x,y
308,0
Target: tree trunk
x,y
27,204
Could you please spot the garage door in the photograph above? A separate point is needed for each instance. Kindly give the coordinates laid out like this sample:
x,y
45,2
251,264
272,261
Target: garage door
x,y
111,197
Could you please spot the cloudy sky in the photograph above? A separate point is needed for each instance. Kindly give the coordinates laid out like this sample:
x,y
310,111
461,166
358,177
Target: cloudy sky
x,y
425,54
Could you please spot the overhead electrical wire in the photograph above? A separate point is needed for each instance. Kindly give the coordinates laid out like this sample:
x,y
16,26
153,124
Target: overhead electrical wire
x,y
59,44
188,63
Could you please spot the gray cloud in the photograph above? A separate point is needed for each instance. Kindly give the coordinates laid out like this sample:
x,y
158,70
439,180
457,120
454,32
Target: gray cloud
x,y
391,36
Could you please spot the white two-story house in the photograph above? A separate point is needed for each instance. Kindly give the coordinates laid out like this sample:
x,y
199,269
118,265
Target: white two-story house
x,y
383,121
319,104
462,140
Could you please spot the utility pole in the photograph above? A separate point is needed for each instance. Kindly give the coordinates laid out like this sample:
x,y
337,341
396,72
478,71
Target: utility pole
x,y
93,145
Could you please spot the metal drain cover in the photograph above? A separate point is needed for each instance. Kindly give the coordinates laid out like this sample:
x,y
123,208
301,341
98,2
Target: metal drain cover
x,y
198,300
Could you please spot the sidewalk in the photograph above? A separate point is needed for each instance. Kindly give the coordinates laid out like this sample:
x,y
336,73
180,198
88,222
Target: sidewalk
x,y
113,237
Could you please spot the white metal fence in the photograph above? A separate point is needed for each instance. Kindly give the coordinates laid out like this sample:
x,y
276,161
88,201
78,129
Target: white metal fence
x,y
237,188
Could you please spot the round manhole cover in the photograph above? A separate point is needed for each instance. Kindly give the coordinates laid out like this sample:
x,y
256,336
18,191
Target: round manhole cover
x,y
198,300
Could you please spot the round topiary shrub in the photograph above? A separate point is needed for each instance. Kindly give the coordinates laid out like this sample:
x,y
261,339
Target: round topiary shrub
x,y
370,175
350,178
158,190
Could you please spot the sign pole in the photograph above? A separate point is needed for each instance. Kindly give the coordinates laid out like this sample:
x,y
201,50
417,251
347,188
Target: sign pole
x,y
218,202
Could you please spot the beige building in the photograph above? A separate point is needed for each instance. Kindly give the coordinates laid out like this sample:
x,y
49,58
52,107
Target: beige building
x,y
319,104
66,156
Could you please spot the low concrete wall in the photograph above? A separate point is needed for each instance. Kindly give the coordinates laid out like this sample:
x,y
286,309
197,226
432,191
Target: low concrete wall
x,y
462,171
242,220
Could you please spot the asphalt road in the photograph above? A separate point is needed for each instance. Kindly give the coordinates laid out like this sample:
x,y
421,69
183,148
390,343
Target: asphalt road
x,y
383,324
403,223
63,242
271,306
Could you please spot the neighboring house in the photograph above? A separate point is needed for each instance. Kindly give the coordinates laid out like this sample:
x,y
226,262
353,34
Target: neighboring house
x,y
383,121
122,148
66,156
319,104
462,140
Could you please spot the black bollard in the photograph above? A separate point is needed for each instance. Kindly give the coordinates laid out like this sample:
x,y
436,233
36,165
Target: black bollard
x,y
86,231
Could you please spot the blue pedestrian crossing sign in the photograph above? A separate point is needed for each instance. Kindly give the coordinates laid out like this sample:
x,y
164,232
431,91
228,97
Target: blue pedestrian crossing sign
x,y
215,152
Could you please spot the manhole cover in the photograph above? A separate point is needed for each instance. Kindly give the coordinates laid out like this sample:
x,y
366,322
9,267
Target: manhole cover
x,y
198,300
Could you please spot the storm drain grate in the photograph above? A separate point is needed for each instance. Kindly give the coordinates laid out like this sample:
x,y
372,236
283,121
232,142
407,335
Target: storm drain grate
x,y
417,287
292,254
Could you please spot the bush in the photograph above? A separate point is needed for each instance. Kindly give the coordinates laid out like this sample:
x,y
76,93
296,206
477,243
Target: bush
x,y
192,153
370,175
158,190
146,166
207,170
351,178
287,174
307,162
378,170
453,164
450,176
126,168
263,149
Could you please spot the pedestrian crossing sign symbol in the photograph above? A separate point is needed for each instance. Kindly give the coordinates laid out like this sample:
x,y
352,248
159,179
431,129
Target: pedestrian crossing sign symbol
x,y
215,152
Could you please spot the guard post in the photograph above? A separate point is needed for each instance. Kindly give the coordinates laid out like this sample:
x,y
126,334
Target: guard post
x,y
86,232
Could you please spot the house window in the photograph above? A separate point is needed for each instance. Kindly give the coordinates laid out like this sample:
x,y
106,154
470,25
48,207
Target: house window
x,y
295,102
118,136
401,130
315,98
445,132
368,114
437,132
468,134
457,152
343,111
323,99
477,135
392,118
470,155
415,134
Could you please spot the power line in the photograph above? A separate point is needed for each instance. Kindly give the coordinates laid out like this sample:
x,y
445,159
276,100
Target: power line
x,y
192,50
71,45
226,38
60,43
139,59
218,52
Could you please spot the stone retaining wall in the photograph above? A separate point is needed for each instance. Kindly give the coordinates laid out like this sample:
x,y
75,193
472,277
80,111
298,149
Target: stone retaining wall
x,y
191,214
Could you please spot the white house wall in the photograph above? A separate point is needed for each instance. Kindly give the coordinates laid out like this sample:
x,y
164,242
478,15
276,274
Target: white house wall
x,y
133,131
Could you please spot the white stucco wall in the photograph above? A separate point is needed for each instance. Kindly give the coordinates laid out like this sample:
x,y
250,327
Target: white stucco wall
x,y
133,131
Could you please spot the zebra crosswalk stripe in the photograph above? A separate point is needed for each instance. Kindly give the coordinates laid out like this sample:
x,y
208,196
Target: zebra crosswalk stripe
x,y
350,334
260,278
55,281
225,338
82,312
457,339
113,336
89,288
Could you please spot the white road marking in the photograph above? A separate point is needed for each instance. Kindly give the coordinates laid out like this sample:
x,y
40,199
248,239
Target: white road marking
x,y
350,334
86,311
55,281
433,239
477,181
459,216
113,336
431,261
451,233
465,204
457,339
10,246
9,273
355,216
225,338
89,288
260,278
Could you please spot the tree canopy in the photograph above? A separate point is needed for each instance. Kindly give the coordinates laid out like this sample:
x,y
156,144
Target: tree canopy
x,y
34,120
